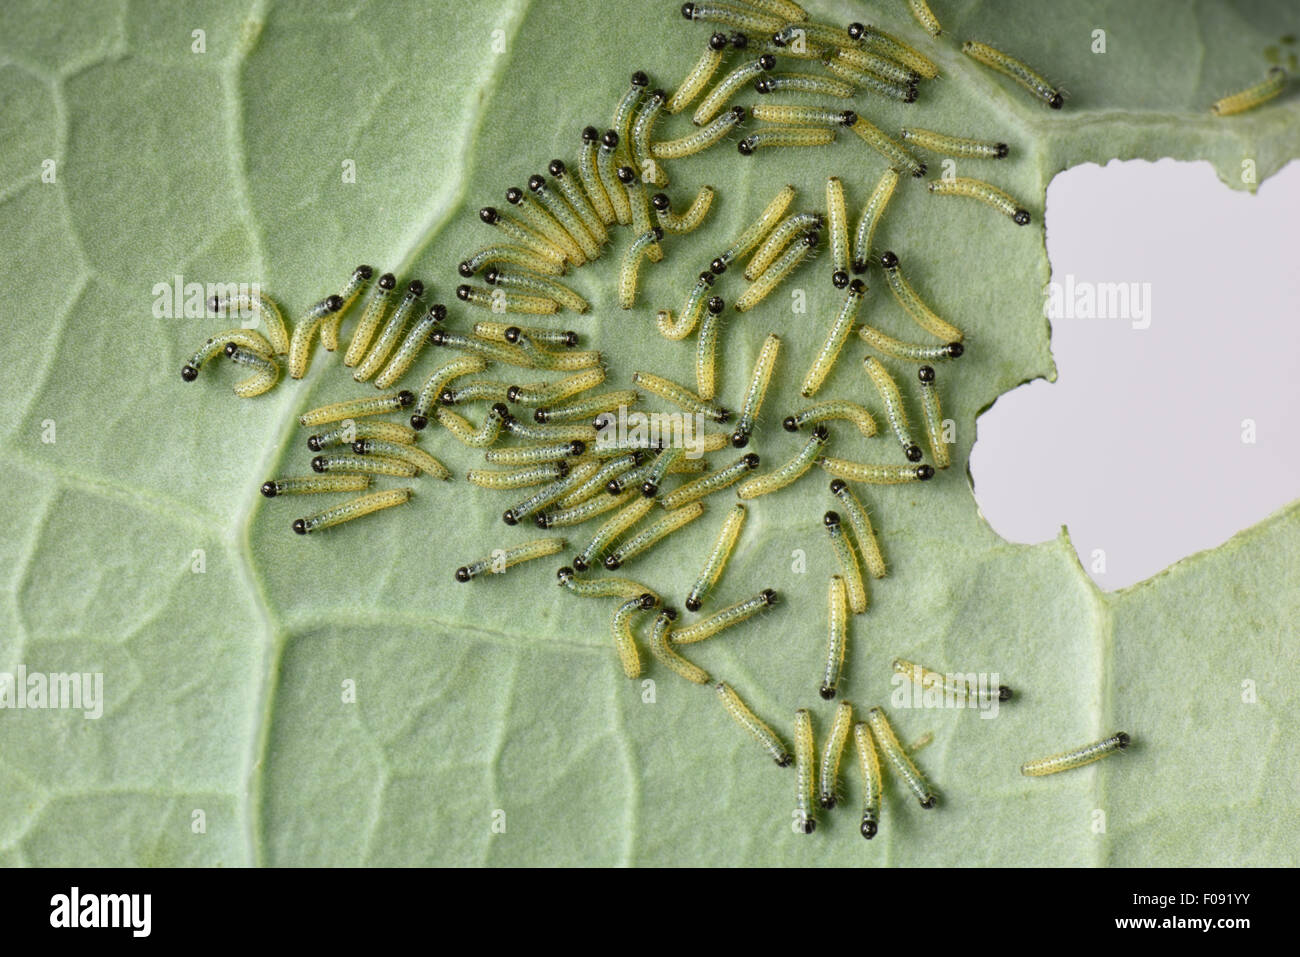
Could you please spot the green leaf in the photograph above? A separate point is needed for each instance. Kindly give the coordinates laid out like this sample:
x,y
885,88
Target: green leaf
x,y
225,689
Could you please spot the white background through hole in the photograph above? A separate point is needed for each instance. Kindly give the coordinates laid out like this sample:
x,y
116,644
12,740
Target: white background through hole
x,y
1155,443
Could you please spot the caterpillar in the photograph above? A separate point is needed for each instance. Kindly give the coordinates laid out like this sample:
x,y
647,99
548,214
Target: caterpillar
x,y
1007,65
411,346
837,629
714,565
805,757
986,193
827,792
699,76
893,401
661,646
869,763
315,484
758,383
870,219
954,145
868,546
352,509
653,534
785,136
899,759
728,617
873,474
789,472
352,291
912,303
757,729
390,333
1077,757
836,336
762,287
1253,96
506,558
688,221
713,482
854,588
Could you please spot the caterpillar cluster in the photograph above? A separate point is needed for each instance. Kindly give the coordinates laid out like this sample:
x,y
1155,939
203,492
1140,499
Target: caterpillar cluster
x,y
563,473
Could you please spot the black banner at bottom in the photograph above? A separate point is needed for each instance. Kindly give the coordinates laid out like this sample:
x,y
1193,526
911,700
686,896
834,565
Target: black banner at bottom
x,y
212,907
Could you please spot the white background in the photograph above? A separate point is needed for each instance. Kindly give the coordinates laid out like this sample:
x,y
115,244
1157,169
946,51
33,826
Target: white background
x,y
1138,446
